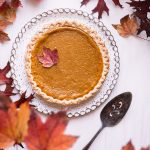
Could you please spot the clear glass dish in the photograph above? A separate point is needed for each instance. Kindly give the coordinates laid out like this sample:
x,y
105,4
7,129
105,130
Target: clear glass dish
x,y
17,59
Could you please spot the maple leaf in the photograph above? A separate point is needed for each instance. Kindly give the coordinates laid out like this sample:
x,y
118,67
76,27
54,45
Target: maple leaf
x,y
49,135
23,99
8,12
128,26
116,2
142,8
14,124
8,91
129,146
3,36
4,102
3,24
15,4
101,6
3,72
49,57
84,2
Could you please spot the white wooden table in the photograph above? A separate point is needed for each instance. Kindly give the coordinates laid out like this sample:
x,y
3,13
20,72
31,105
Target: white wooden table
x,y
134,77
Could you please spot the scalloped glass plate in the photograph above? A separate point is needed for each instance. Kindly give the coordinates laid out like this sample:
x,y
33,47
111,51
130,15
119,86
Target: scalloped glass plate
x,y
17,60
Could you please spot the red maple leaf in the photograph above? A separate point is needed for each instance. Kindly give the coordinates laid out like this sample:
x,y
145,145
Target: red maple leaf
x,y
101,6
116,2
49,57
84,2
8,91
49,135
15,4
3,72
23,99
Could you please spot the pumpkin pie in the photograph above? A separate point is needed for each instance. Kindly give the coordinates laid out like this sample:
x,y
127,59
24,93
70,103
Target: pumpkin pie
x,y
83,63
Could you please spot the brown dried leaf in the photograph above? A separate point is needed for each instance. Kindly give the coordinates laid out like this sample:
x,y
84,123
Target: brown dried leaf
x,y
4,36
128,26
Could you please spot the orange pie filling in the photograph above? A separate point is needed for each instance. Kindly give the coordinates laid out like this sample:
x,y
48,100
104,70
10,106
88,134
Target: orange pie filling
x,y
79,67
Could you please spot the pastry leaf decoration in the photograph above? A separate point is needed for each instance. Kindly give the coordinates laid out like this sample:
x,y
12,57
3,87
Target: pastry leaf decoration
x,y
128,26
49,57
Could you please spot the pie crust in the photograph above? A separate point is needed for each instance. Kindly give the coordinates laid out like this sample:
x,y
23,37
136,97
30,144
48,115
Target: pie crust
x,y
99,43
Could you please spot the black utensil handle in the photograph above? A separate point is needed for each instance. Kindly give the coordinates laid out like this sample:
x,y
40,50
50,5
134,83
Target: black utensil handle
x,y
92,140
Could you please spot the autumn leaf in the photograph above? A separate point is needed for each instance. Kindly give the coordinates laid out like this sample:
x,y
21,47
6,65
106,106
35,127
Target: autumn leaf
x,y
129,146
49,135
101,6
4,102
7,12
84,2
141,11
117,3
15,4
3,73
3,24
49,58
3,37
14,124
8,91
128,26
23,99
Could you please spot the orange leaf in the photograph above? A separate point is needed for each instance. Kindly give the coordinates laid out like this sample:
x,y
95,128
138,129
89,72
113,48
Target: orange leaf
x,y
129,146
3,24
3,37
14,124
49,135
128,26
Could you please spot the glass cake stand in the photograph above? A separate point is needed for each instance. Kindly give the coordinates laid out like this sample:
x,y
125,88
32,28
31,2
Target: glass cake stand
x,y
17,59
